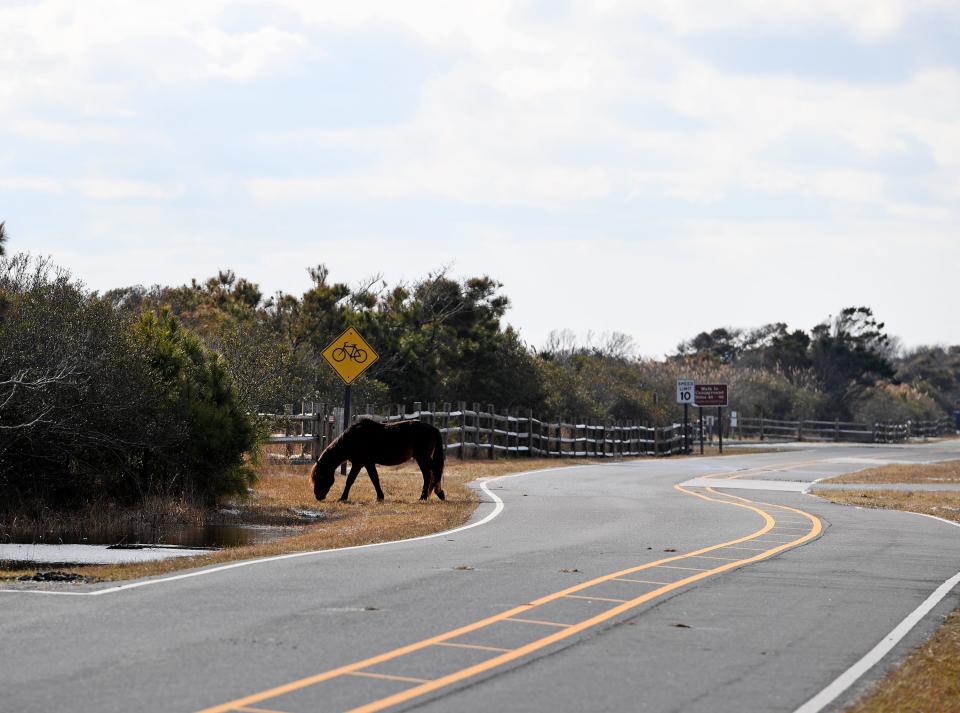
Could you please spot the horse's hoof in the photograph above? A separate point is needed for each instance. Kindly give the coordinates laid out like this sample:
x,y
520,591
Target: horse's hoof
x,y
441,495
343,500
379,498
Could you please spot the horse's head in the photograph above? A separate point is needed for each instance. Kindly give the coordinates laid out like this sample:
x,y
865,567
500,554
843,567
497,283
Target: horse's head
x,y
321,475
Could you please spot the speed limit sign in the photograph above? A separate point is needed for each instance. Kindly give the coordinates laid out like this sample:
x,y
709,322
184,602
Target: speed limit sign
x,y
685,391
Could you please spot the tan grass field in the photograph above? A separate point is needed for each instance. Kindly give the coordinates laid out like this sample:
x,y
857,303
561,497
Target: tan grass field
x,y
929,679
946,472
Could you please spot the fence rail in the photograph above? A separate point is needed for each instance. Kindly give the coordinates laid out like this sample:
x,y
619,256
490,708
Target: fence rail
x,y
769,429
477,432
480,433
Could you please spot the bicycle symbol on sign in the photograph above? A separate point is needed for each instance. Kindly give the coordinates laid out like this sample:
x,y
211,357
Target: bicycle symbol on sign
x,y
349,350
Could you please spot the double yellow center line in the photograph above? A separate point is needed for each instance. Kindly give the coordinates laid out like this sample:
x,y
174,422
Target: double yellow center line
x,y
739,554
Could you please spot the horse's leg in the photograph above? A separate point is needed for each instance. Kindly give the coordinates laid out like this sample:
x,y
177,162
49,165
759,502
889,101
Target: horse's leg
x,y
352,476
375,479
424,464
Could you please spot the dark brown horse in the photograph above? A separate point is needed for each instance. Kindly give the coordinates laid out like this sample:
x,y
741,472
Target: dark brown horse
x,y
368,443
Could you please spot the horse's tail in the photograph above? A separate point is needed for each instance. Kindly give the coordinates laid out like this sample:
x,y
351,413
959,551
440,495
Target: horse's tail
x,y
436,464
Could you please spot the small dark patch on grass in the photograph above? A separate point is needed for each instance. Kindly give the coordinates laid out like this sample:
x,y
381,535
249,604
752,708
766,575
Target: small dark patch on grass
x,y
54,575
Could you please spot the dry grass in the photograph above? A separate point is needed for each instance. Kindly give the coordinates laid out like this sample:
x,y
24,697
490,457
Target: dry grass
x,y
942,504
927,682
929,679
362,520
946,472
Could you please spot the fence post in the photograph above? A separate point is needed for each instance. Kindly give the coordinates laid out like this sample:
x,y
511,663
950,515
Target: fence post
x,y
446,424
493,431
761,427
462,407
836,429
476,429
417,406
322,428
529,433
656,441
800,430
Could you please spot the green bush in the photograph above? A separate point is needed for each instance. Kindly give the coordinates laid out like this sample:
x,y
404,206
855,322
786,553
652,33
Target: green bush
x,y
95,402
214,431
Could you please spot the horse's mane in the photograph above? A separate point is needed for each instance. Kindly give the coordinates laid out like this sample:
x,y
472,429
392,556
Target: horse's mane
x,y
340,441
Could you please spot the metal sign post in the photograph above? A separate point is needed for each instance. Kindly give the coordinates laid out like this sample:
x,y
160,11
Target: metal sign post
x,y
346,420
350,355
701,430
711,395
720,428
685,388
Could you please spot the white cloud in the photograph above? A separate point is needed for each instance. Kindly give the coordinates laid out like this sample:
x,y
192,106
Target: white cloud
x,y
40,184
108,189
598,105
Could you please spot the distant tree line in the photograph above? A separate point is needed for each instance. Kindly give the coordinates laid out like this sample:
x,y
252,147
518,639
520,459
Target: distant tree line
x,y
444,339
145,390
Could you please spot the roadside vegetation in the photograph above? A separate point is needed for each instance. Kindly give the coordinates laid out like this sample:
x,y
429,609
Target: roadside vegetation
x,y
929,679
143,402
282,496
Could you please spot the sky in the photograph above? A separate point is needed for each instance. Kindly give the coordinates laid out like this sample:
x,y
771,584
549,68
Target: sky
x,y
655,168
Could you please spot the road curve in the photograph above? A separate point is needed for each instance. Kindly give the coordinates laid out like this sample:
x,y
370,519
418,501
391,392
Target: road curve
x,y
608,587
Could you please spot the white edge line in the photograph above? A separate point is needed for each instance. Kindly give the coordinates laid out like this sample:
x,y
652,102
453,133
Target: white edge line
x,y
872,657
498,508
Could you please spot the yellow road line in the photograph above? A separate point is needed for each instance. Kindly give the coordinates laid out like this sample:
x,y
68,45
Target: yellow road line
x,y
387,677
247,709
691,569
712,557
478,647
596,599
772,468
541,622
568,630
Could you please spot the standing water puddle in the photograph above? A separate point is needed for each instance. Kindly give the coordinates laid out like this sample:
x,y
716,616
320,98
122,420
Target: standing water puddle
x,y
205,536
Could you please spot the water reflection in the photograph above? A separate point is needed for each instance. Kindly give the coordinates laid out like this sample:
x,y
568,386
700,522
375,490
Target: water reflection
x,y
208,535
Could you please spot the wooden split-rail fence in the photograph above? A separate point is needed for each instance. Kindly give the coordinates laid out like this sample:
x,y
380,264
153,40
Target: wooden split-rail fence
x,y
770,429
475,432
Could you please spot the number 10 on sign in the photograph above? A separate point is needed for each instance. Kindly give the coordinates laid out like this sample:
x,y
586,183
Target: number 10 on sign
x,y
685,391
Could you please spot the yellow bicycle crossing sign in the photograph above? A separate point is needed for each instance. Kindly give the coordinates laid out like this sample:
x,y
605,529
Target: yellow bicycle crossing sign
x,y
350,355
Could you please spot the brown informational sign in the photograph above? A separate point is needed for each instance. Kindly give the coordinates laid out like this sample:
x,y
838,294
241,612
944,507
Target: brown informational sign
x,y
710,395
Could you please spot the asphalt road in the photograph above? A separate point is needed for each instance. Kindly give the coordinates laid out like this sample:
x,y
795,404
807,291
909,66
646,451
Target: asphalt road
x,y
597,588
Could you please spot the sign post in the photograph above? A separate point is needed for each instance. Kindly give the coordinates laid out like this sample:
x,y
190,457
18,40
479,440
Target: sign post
x,y
711,395
350,355
685,396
